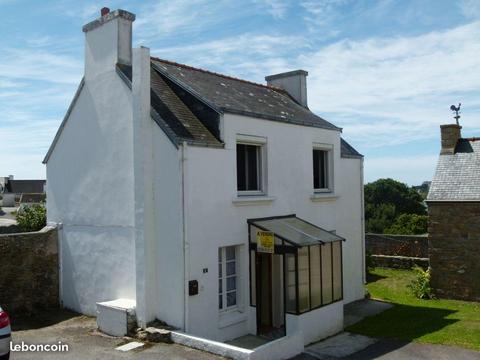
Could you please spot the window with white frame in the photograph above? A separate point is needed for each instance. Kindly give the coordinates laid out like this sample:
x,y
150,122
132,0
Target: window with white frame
x,y
250,174
322,169
227,277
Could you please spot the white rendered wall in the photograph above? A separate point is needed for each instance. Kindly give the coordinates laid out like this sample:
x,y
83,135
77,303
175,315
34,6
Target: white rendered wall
x,y
214,220
90,191
168,230
317,324
350,210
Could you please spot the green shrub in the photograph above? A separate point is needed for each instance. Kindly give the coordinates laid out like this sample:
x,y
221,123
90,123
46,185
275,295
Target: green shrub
x,y
420,285
409,224
32,218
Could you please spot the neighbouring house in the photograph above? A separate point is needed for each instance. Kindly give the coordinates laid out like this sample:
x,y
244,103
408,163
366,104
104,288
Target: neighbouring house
x,y
218,205
17,191
454,217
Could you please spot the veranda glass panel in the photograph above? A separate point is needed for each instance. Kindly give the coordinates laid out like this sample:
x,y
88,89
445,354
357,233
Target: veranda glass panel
x,y
253,293
326,273
303,280
315,281
291,303
337,270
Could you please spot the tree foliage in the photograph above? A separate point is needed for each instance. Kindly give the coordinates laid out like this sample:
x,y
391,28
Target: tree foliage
x,y
408,224
386,200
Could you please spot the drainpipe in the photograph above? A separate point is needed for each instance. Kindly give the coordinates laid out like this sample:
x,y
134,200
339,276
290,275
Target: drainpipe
x,y
59,227
362,212
186,252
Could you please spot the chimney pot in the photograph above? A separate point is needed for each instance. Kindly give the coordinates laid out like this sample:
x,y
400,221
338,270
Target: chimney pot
x,y
104,11
450,135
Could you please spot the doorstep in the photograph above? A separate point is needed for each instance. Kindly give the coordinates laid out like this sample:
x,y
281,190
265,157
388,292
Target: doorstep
x,y
283,348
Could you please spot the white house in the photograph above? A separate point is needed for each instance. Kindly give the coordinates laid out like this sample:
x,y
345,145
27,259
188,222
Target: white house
x,y
167,183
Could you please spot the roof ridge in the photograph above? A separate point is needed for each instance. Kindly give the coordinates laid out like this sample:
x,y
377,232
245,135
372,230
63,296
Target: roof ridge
x,y
471,138
218,74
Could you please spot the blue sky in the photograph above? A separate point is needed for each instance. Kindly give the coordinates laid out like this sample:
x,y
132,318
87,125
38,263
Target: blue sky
x,y
386,71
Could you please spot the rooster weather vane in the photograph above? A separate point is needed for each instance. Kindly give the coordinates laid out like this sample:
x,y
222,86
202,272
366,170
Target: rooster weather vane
x,y
456,110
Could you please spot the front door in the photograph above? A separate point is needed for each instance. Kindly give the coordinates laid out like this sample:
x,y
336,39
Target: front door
x,y
264,293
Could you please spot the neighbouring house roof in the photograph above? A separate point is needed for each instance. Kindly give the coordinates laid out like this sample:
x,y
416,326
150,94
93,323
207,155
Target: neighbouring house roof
x,y
457,177
25,186
295,231
34,198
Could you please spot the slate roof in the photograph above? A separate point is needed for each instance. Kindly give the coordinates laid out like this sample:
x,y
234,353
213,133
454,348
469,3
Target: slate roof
x,y
223,94
457,177
171,113
232,95
25,186
348,151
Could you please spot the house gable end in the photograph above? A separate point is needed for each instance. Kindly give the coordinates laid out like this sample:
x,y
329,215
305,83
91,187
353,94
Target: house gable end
x,y
64,121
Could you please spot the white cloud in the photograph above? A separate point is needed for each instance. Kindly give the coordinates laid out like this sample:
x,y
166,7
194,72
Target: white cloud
x,y
393,90
185,17
470,8
276,8
410,169
37,64
238,52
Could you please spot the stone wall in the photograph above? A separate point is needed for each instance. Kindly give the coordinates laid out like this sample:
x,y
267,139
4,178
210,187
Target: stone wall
x,y
397,251
399,262
454,248
29,271
397,245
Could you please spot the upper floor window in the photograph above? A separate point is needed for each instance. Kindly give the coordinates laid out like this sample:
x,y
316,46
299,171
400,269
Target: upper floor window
x,y
322,169
250,173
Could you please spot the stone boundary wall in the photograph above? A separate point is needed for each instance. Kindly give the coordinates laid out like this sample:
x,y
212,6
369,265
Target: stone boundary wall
x,y
29,276
10,229
397,245
399,262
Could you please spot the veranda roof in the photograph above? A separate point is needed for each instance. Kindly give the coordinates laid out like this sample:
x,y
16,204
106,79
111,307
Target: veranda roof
x,y
295,231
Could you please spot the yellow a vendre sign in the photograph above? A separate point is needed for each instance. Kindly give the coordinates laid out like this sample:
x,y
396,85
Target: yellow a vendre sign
x,y
265,241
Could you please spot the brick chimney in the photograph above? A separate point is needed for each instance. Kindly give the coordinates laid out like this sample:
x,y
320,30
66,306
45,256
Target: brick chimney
x,y
108,41
294,82
450,135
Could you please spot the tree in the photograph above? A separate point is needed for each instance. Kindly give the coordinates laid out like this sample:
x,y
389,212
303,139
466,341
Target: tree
x,y
408,224
386,200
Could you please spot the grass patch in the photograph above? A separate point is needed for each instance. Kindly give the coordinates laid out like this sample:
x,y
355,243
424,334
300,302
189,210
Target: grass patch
x,y
448,322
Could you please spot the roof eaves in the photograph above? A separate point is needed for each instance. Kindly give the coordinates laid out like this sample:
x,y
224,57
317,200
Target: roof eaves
x,y
205,144
64,121
186,88
345,156
176,141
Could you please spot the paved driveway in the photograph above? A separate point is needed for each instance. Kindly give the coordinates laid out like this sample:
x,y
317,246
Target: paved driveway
x,y
79,333
352,347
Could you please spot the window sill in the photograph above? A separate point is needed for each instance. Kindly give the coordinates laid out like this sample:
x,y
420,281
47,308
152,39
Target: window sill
x,y
325,196
232,317
252,200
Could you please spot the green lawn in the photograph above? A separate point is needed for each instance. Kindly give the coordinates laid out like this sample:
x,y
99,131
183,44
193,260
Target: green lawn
x,y
449,322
